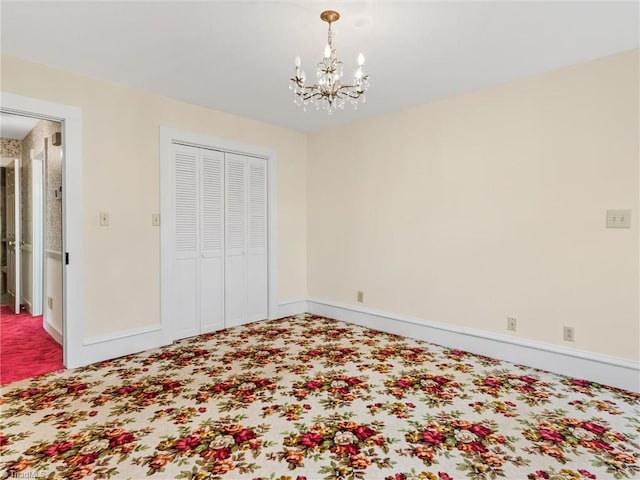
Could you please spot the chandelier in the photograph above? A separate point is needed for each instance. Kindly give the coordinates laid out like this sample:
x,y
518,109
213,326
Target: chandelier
x,y
328,93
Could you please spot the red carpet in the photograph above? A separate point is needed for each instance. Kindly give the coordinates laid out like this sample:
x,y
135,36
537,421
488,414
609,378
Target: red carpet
x,y
26,350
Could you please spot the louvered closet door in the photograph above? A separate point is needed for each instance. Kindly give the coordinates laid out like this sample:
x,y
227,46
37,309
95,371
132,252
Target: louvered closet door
x,y
185,317
219,271
212,240
257,305
245,239
235,239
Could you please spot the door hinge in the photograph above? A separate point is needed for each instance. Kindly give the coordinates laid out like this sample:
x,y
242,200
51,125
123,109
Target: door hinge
x,y
66,258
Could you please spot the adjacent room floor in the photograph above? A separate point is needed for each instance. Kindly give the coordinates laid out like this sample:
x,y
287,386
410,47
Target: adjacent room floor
x,y
307,398
26,349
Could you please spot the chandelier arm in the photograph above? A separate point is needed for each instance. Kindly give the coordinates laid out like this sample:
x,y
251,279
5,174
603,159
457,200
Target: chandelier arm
x,y
309,96
298,81
309,93
347,90
311,88
347,94
364,79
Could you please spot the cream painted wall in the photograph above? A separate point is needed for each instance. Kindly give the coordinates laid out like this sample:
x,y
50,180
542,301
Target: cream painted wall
x,y
462,211
53,271
489,205
121,262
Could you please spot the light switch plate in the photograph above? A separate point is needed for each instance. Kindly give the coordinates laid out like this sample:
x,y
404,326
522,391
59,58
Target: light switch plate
x,y
155,219
104,219
618,218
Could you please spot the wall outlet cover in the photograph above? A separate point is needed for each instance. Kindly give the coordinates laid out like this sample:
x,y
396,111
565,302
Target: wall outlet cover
x,y
618,218
569,334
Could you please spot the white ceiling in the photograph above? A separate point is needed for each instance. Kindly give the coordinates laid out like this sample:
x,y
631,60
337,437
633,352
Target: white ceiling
x,y
238,56
15,126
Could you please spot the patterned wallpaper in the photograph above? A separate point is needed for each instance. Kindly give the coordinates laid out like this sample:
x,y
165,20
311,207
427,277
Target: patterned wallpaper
x,y
53,215
25,188
10,148
35,141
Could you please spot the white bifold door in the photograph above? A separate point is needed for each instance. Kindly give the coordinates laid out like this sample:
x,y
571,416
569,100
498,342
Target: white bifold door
x,y
245,239
14,244
219,266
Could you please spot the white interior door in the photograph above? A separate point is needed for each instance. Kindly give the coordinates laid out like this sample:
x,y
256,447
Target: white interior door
x,y
185,316
214,239
13,233
211,240
257,285
198,261
246,278
235,239
37,234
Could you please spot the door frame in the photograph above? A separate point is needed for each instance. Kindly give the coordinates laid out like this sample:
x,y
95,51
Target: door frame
x,y
15,266
37,231
72,291
169,136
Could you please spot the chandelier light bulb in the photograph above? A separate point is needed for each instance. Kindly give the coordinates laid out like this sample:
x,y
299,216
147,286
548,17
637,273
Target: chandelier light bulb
x,y
328,93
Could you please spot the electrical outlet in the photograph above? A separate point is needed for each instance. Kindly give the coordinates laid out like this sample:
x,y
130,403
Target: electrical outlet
x,y
50,303
512,324
360,296
104,219
618,218
155,219
569,334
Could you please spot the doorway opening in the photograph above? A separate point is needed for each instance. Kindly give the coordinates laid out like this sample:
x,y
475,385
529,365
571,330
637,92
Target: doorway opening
x,y
31,229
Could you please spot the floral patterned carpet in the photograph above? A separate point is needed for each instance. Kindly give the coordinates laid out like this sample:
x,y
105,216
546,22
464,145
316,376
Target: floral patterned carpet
x,y
312,398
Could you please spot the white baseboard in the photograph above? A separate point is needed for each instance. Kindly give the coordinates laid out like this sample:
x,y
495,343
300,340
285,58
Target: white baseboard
x,y
291,307
617,372
104,347
110,337
52,331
